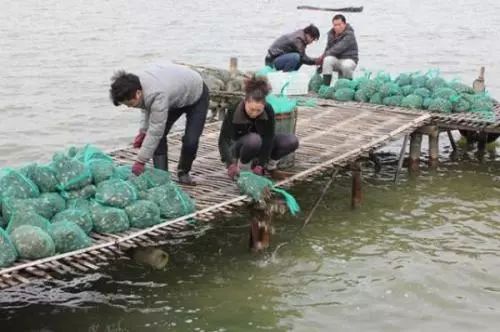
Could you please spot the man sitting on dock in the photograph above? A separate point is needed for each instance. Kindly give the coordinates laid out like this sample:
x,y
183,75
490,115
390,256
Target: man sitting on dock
x,y
288,52
341,53
164,92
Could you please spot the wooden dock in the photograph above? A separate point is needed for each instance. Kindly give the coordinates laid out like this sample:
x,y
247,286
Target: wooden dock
x,y
331,134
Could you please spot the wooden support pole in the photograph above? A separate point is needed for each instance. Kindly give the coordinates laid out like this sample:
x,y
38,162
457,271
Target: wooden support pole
x,y
357,194
415,150
233,65
401,158
433,147
482,141
452,140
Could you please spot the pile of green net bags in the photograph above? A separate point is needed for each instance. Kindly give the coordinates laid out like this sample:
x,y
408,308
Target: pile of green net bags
x,y
426,91
52,208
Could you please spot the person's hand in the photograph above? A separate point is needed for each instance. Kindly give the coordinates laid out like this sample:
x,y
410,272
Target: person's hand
x,y
319,61
138,168
139,138
233,171
259,170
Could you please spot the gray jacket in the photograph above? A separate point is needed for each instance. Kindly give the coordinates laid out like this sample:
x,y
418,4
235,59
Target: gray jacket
x,y
164,86
343,46
294,42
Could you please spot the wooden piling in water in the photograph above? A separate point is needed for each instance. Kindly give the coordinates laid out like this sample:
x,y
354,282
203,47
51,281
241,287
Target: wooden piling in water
x,y
357,193
433,147
415,150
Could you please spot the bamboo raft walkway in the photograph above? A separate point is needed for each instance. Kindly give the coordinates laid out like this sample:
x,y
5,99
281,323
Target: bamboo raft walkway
x,y
331,134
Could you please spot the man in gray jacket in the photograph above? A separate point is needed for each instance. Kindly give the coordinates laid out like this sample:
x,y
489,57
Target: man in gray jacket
x,y
341,53
164,92
288,52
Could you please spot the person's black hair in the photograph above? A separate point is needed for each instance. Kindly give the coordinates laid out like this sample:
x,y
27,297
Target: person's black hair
x,y
339,17
123,87
256,89
312,31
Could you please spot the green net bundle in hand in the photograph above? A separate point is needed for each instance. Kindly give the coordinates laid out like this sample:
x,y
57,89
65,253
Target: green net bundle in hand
x,y
108,219
315,82
392,100
81,218
257,186
344,94
13,184
143,214
281,104
32,242
116,193
440,105
326,92
86,192
172,200
31,218
44,177
68,236
71,173
8,253
412,101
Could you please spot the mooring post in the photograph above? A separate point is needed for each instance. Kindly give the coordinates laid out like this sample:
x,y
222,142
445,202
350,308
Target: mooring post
x,y
233,65
357,193
401,158
433,146
415,150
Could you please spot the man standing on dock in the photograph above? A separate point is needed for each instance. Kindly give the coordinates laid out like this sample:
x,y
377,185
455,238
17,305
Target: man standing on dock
x,y
164,92
288,52
341,53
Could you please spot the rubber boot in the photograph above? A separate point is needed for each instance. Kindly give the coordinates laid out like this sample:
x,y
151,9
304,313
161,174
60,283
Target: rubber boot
x,y
161,162
327,79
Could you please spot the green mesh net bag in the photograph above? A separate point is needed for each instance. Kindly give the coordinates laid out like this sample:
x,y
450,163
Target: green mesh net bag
x,y
418,81
326,92
426,103
101,170
315,82
16,185
68,236
143,214
462,105
122,172
156,177
255,186
403,80
32,242
435,83
407,90
461,87
3,222
78,204
264,71
440,105
376,98
8,253
369,87
412,101
44,177
80,217
422,92
344,94
108,219
392,100
31,218
445,93
86,192
47,205
383,77
172,200
344,83
90,152
483,105
389,89
116,193
361,96
71,173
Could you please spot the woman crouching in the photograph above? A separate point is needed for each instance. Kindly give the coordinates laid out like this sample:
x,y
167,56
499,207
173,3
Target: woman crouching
x,y
247,140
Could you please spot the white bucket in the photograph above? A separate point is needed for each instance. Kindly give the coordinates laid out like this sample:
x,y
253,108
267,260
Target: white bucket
x,y
289,83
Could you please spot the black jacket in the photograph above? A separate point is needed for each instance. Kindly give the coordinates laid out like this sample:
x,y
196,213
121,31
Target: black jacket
x,y
237,124
343,46
294,42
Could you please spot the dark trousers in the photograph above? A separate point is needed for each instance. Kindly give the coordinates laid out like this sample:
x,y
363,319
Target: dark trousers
x,y
196,116
248,147
287,62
